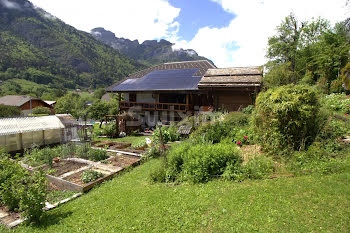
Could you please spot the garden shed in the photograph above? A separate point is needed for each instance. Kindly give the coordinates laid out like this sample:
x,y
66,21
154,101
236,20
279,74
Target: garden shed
x,y
20,133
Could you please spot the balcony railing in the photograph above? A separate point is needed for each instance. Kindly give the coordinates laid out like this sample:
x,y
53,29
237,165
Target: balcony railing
x,y
155,106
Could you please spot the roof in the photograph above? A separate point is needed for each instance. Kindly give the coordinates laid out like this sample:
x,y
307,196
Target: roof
x,y
49,102
106,97
201,65
160,80
28,124
16,100
232,77
67,120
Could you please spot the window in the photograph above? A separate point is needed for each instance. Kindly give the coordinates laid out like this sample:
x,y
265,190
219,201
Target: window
x,y
132,97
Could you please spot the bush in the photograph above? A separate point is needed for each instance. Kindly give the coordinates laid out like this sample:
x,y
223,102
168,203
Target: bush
x,y
337,102
287,118
212,132
153,152
169,134
199,163
41,111
9,111
249,109
90,175
34,197
36,156
110,130
22,191
97,155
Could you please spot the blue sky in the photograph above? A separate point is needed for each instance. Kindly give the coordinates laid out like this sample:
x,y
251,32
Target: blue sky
x,y
196,14
229,32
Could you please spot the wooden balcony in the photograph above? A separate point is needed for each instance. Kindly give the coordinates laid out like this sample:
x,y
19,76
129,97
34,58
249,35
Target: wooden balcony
x,y
154,106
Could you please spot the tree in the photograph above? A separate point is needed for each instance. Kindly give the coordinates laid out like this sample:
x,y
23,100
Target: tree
x,y
98,110
41,110
307,52
71,103
9,111
98,93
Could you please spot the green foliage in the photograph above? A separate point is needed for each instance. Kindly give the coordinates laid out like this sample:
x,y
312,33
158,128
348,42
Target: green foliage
x,y
22,191
98,93
110,130
9,111
249,109
71,103
339,103
153,152
90,175
256,168
45,50
198,163
41,110
169,134
215,131
308,53
37,156
345,76
287,118
97,155
34,197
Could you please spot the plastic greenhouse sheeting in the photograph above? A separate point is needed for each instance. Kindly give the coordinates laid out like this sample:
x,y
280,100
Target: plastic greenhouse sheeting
x,y
10,126
22,132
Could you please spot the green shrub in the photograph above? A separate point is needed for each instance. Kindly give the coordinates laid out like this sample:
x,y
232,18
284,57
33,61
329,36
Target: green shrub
x,y
110,130
90,175
9,111
22,191
97,155
34,196
158,175
169,134
37,156
337,102
201,162
41,111
153,152
287,118
212,132
249,109
258,167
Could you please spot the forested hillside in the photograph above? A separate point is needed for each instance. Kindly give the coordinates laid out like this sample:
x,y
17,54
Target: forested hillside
x,y
38,47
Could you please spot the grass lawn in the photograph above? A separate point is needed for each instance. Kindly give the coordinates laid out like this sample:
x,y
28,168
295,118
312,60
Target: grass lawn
x,y
128,203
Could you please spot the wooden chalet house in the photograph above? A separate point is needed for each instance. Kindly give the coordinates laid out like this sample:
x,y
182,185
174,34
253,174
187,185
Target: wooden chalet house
x,y
170,91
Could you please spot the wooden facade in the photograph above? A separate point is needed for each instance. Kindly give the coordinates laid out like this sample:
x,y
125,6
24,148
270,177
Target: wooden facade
x,y
157,96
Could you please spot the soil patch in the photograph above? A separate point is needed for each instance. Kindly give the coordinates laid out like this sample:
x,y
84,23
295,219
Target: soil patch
x,y
63,167
123,160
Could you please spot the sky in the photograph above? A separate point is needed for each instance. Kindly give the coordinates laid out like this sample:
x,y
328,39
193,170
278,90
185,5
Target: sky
x,y
229,32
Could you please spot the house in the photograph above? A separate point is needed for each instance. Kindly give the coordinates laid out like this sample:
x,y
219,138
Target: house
x,y
25,103
51,103
171,91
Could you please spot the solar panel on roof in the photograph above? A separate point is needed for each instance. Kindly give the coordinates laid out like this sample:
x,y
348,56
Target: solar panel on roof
x,y
181,79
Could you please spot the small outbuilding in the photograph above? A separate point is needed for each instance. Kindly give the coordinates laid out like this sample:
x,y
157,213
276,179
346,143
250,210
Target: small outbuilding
x,y
25,103
19,133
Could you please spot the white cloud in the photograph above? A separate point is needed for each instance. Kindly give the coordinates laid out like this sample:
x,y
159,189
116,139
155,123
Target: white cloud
x,y
10,5
255,22
132,19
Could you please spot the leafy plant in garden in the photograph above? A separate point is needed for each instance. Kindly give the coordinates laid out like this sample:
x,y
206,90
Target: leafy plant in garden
x,y
90,175
197,163
287,118
169,134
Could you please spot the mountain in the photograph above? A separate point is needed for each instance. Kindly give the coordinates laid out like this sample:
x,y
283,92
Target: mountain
x,y
150,52
37,46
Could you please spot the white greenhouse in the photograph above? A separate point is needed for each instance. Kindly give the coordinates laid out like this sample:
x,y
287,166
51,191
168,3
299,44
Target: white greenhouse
x,y
20,133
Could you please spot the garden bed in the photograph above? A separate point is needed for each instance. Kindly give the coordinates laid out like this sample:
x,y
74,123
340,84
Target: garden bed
x,y
63,167
123,160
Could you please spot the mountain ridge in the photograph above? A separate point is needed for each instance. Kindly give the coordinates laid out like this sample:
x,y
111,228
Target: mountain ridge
x,y
149,52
